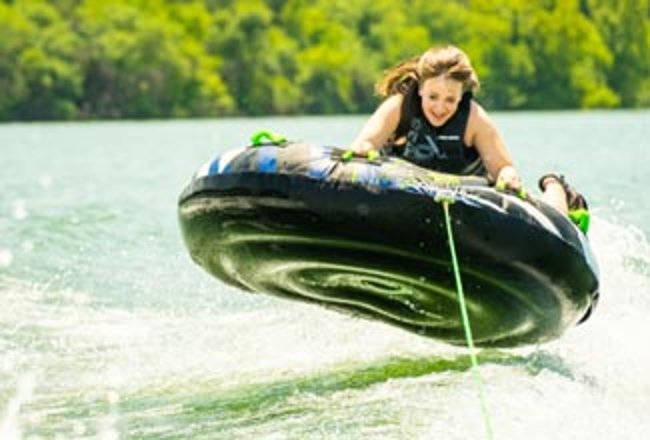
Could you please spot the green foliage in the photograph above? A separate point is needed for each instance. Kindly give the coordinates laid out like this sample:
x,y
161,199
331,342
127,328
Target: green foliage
x,y
626,27
70,59
568,51
244,35
148,61
38,73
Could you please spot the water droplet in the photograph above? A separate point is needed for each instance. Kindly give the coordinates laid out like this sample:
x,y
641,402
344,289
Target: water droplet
x,y
20,211
113,398
45,181
6,257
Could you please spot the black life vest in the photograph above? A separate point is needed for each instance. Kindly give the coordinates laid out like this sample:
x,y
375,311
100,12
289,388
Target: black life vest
x,y
437,148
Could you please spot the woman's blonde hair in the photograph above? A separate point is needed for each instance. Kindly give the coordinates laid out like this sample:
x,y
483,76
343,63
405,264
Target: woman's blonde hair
x,y
449,61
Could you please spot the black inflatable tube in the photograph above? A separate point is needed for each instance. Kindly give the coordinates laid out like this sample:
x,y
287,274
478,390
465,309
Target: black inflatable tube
x,y
369,238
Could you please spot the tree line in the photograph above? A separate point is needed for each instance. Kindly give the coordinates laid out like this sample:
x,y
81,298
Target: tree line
x,y
100,59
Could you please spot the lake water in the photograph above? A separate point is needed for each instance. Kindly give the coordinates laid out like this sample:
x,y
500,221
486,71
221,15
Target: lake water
x,y
109,331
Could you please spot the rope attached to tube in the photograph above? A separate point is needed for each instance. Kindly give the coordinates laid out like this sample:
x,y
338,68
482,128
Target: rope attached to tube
x,y
445,200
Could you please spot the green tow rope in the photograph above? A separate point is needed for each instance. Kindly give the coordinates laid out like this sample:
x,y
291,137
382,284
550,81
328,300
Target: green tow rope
x,y
446,200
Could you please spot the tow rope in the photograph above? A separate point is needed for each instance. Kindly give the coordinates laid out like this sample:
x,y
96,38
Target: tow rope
x,y
445,200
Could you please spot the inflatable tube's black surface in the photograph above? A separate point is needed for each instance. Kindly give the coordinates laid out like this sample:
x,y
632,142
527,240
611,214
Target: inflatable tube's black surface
x,y
369,238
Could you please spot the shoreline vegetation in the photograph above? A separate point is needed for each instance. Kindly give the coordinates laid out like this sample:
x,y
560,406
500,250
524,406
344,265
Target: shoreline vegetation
x,y
153,59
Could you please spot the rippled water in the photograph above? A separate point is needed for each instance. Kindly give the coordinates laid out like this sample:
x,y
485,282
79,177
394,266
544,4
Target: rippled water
x,y
109,331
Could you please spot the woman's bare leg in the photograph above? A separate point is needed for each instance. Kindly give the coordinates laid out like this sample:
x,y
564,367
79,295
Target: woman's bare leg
x,y
554,195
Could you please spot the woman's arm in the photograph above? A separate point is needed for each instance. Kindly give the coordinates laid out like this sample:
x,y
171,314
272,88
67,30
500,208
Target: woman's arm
x,y
379,127
484,136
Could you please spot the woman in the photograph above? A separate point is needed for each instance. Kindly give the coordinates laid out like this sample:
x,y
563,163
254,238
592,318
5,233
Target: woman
x,y
429,117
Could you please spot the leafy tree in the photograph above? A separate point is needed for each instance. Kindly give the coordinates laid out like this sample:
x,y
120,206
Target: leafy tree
x,y
500,55
625,27
570,60
256,55
15,32
37,71
141,63
64,59
447,22
335,71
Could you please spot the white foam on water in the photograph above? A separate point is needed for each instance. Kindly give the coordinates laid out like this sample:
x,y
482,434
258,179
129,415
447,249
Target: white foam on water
x,y
6,257
10,423
592,383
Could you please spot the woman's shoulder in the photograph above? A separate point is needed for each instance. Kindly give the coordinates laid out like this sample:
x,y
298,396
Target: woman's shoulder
x,y
478,116
391,106
479,123
394,100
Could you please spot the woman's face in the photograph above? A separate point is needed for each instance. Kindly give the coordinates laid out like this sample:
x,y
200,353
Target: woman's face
x,y
440,99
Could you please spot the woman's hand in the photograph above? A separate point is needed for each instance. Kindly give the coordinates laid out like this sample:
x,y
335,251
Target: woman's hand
x,y
362,148
508,178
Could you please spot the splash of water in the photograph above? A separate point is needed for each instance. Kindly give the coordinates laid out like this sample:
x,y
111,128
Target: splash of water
x,y
10,425
282,369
